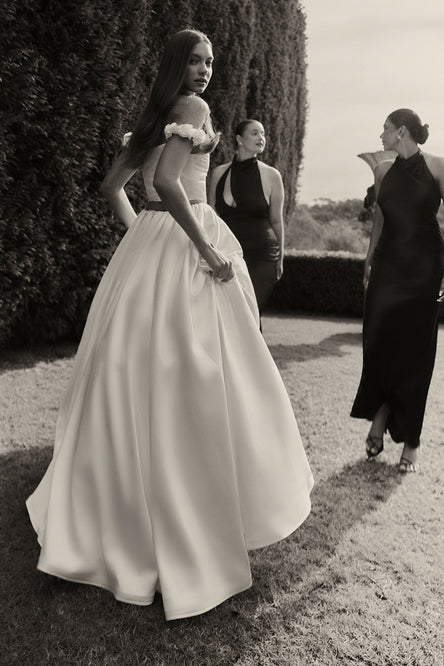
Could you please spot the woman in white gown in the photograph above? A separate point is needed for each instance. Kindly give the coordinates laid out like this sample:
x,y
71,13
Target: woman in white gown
x,y
176,447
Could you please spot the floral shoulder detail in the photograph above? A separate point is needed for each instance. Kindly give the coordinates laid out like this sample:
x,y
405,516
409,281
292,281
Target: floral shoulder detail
x,y
187,131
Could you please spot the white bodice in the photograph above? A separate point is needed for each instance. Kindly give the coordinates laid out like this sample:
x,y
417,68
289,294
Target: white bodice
x,y
193,177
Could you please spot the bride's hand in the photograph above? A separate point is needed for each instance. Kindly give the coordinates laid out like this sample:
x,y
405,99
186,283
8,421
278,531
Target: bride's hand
x,y
220,266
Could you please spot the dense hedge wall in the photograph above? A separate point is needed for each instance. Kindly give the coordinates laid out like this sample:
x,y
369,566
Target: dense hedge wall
x,y
75,75
323,282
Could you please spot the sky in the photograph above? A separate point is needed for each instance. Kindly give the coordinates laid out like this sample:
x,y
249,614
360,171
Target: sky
x,y
366,58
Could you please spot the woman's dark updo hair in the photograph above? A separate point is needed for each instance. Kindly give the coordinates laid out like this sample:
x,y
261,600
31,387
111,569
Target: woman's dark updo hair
x,y
410,119
241,127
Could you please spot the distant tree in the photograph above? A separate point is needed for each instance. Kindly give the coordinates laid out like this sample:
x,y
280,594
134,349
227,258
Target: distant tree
x,y
75,75
328,225
325,210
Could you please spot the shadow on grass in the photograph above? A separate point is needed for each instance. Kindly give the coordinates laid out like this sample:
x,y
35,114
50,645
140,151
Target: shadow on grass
x,y
56,622
16,359
331,346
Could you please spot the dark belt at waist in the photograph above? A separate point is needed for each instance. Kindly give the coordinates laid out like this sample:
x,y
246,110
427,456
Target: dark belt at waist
x,y
159,205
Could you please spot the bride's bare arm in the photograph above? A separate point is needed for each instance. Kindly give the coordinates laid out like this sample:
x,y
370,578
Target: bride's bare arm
x,y
112,189
169,187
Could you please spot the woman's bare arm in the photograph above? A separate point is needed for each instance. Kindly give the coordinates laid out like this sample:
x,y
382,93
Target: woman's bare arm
x,y
112,189
215,177
438,172
169,187
276,214
378,222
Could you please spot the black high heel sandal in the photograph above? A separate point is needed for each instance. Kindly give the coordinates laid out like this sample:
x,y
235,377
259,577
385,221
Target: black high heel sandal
x,y
374,444
406,466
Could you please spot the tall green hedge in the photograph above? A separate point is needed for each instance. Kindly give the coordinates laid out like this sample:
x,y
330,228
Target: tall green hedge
x,y
75,74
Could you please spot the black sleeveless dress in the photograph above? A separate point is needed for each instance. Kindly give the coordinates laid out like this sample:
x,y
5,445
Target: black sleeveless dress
x,y
401,311
249,222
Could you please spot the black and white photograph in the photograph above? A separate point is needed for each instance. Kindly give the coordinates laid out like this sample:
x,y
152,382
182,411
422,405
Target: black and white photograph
x,y
221,333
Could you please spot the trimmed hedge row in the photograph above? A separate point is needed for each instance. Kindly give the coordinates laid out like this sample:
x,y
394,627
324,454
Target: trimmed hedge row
x,y
74,77
323,283
320,282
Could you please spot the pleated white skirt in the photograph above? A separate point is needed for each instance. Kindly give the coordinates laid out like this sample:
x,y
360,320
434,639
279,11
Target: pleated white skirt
x,y
176,446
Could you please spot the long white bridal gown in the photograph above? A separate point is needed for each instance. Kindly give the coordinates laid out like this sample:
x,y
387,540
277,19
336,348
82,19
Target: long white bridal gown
x,y
176,447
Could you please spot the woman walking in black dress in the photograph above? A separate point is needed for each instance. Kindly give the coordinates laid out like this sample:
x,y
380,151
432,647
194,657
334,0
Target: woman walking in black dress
x,y
403,279
249,196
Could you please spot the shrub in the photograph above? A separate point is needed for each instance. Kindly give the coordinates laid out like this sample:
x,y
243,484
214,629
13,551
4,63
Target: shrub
x,y
323,282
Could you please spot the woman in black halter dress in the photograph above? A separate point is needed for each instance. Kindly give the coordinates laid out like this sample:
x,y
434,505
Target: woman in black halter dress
x,y
404,281
248,195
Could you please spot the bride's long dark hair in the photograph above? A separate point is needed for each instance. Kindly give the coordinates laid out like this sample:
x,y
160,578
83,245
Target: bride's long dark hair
x,y
164,92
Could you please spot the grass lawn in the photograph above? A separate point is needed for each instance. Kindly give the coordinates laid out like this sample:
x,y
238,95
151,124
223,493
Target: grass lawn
x,y
361,582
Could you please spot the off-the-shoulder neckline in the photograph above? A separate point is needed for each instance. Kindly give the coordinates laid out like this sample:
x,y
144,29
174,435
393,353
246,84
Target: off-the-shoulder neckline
x,y
187,98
